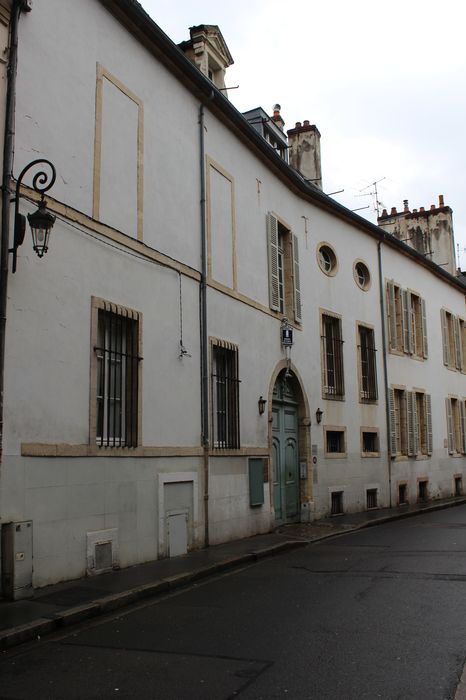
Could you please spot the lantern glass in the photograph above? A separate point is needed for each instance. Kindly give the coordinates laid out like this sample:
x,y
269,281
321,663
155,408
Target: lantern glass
x,y
41,223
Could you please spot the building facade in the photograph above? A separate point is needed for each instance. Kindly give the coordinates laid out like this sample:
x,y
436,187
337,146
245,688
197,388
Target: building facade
x,y
211,345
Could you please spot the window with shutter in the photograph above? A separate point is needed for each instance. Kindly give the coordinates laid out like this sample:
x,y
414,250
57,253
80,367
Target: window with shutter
x,y
412,426
393,422
425,347
273,253
458,344
463,426
297,288
284,280
451,444
445,337
428,420
391,309
400,409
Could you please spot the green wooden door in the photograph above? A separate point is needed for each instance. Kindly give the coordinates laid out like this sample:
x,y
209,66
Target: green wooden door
x,y
285,458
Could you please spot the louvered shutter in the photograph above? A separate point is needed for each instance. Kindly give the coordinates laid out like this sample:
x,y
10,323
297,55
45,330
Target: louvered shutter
x,y
405,320
446,349
404,424
297,288
449,426
425,347
391,404
391,310
411,403
458,347
463,427
272,247
428,417
408,340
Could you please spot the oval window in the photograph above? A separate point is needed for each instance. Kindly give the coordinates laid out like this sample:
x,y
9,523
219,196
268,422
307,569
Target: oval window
x,y
327,259
362,275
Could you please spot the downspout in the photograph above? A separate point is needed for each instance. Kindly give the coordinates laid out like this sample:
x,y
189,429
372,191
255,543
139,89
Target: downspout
x,y
204,340
8,154
385,365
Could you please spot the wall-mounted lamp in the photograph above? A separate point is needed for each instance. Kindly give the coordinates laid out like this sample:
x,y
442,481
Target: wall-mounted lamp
x,y
41,221
319,414
261,403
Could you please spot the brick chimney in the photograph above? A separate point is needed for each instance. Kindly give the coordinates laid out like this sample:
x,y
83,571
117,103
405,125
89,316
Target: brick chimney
x,y
304,151
277,117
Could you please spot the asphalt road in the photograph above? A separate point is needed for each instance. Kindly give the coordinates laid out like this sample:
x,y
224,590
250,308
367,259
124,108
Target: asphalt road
x,y
379,613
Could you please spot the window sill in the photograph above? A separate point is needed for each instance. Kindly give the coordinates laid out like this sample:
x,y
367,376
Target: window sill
x,y
369,455
336,455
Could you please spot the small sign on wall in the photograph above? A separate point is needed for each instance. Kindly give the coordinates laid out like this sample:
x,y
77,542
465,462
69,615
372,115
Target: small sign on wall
x,y
287,336
303,470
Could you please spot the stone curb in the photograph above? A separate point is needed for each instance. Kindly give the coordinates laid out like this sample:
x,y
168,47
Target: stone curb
x,y
42,626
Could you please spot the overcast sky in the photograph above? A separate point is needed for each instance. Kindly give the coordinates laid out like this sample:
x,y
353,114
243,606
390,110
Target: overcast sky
x,y
385,83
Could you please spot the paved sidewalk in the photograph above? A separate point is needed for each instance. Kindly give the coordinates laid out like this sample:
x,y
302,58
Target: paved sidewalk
x,y
63,604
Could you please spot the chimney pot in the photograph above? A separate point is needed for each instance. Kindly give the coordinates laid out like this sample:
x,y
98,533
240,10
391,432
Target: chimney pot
x,y
393,211
414,211
306,122
384,213
405,206
298,125
432,207
440,200
421,209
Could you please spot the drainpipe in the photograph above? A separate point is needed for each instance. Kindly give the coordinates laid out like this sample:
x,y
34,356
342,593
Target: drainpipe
x,y
385,365
18,6
204,341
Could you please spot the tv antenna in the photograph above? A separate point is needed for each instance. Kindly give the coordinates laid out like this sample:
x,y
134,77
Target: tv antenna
x,y
374,193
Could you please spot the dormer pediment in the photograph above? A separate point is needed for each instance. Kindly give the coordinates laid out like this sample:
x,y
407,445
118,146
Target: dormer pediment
x,y
208,50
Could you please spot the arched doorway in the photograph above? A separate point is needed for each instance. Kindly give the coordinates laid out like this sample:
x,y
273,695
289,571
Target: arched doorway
x,y
285,449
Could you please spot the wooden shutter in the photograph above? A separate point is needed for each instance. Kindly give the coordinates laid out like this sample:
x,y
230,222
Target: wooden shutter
x,y
297,288
446,349
425,347
391,311
391,404
272,248
449,426
405,320
458,344
428,419
463,426
412,426
408,340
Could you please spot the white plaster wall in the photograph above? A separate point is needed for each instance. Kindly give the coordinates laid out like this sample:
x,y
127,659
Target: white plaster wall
x,y
66,498
55,118
229,509
48,342
119,154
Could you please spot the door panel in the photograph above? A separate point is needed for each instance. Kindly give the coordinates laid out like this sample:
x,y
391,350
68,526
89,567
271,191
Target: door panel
x,y
285,461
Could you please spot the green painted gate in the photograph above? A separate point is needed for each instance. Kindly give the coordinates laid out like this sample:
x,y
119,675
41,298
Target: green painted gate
x,y
285,452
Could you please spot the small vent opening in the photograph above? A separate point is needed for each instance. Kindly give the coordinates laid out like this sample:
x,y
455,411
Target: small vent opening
x,y
103,555
337,503
402,495
371,498
422,491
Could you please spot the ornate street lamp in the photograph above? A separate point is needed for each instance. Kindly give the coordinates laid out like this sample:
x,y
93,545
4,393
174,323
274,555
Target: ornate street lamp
x,y
41,221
